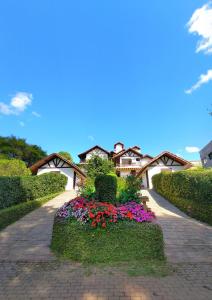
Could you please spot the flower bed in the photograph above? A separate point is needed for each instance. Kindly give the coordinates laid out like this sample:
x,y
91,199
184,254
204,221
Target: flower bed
x,y
100,214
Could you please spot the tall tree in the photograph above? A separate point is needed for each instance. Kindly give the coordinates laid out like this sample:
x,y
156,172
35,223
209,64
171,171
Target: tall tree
x,y
12,147
66,155
99,166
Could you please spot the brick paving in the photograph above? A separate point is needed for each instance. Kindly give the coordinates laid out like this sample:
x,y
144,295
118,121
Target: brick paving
x,y
28,270
71,281
186,240
30,237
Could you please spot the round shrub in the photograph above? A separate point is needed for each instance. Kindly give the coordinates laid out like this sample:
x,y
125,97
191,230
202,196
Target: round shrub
x,y
106,188
13,167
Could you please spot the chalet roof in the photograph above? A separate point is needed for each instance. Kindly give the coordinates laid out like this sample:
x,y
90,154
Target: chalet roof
x,y
180,160
147,156
81,155
125,151
34,168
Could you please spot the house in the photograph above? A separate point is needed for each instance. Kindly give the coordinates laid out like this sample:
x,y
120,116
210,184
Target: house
x,y
206,155
131,161
56,163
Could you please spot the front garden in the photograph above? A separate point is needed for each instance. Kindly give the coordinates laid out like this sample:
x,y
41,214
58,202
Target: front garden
x,y
107,223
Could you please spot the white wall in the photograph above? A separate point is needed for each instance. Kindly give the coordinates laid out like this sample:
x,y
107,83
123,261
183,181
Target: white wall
x,y
68,172
144,161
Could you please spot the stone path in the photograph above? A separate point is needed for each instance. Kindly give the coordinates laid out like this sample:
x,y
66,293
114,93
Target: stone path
x,y
29,238
186,240
36,281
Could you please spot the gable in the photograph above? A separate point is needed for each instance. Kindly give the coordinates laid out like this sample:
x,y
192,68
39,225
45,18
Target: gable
x,y
97,151
129,154
55,163
166,161
55,160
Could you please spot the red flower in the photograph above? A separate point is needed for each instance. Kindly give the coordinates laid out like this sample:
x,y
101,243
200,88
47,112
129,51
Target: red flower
x,y
129,215
104,225
91,215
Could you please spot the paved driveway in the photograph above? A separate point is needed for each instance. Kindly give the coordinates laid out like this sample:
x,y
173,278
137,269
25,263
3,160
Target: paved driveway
x,y
186,240
29,238
28,270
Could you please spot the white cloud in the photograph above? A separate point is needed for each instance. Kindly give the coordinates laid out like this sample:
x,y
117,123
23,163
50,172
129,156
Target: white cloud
x,y
17,105
201,24
22,124
36,114
203,79
20,101
192,149
5,109
91,138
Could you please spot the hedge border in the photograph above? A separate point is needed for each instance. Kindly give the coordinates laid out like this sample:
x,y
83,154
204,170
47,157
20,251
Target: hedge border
x,y
12,214
187,191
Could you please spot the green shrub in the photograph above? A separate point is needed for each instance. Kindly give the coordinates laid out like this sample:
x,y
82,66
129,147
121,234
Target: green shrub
x,y
130,191
88,189
17,189
123,242
106,188
98,166
11,214
189,190
13,167
121,184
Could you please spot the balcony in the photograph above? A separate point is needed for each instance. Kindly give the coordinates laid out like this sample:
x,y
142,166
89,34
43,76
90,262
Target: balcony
x,y
130,165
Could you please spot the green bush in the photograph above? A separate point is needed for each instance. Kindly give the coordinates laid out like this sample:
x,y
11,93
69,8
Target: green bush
x,y
13,167
88,189
98,166
11,214
123,242
17,189
121,184
189,190
130,190
106,188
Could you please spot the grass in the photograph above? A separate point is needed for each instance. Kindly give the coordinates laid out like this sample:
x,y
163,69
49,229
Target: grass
x,y
12,214
136,248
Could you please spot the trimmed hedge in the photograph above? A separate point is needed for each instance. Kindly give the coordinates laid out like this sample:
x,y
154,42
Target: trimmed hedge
x,y
106,188
11,214
13,167
189,190
17,189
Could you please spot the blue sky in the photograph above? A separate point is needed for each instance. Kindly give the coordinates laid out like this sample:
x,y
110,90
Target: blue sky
x,y
78,73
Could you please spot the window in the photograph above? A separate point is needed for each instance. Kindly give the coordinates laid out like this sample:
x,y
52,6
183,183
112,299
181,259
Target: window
x,y
137,159
210,155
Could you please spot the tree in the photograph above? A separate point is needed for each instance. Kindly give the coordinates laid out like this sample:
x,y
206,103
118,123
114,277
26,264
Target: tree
x,y
66,155
12,147
13,167
99,166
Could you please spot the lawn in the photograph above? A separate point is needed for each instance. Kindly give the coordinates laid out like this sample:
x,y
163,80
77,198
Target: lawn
x,y
137,246
12,214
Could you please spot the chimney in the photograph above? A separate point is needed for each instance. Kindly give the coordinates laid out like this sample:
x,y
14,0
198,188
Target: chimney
x,y
118,147
137,148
